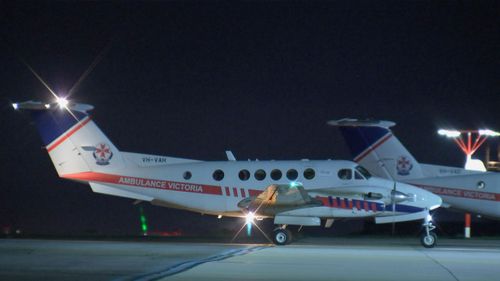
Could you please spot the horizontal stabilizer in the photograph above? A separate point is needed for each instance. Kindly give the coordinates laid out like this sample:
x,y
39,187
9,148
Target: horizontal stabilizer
x,y
109,190
37,105
360,122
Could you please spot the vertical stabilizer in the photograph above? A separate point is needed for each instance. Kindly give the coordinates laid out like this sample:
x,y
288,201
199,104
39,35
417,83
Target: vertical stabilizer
x,y
373,145
74,142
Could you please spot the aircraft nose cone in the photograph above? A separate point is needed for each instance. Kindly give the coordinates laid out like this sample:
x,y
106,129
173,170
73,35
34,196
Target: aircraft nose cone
x,y
433,200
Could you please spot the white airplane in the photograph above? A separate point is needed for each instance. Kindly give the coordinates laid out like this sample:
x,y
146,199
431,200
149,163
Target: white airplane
x,y
374,146
292,192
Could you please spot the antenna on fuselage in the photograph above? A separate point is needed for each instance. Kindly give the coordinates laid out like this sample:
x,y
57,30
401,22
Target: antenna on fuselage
x,y
230,155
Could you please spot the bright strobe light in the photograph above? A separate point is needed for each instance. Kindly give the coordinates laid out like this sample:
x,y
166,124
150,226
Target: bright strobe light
x,y
15,106
449,133
249,218
62,102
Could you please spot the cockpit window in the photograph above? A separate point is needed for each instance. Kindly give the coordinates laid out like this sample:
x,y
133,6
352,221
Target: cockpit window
x,y
345,174
358,176
364,172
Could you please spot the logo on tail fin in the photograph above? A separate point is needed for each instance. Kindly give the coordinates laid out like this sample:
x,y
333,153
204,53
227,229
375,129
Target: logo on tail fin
x,y
404,166
102,154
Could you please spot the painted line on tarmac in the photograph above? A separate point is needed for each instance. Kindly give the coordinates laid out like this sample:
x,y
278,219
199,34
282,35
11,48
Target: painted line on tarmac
x,y
183,266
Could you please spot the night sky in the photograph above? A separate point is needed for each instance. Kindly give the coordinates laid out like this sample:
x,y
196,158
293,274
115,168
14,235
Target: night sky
x,y
192,79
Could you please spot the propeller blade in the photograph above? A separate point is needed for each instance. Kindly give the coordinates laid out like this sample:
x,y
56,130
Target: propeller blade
x,y
393,199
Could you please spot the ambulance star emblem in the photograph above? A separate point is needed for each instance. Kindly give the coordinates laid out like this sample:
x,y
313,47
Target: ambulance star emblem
x,y
404,166
102,154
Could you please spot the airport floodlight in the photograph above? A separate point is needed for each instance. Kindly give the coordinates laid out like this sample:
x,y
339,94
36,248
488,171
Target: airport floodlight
x,y
449,133
469,142
62,102
489,133
15,106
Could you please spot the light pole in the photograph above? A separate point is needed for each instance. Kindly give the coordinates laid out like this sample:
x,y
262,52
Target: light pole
x,y
469,147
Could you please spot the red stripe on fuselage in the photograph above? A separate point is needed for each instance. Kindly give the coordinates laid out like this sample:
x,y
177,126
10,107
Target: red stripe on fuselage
x,y
342,203
372,148
462,193
69,133
254,192
146,183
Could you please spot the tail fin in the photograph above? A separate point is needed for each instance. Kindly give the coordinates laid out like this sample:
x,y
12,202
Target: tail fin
x,y
373,145
74,142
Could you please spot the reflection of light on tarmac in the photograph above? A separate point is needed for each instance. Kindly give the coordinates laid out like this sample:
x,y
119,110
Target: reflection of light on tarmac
x,y
249,229
249,219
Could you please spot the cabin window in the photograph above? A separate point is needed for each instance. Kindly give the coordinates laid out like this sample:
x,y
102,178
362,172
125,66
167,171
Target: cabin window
x,y
244,175
364,172
218,175
276,174
260,174
345,174
292,174
187,175
358,176
309,173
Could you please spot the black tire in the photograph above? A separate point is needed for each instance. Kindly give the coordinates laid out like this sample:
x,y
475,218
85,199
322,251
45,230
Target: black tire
x,y
282,236
428,241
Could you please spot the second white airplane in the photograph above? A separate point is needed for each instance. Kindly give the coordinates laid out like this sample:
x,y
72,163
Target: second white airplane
x,y
374,146
291,192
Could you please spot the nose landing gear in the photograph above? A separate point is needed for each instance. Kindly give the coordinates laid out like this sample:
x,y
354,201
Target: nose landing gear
x,y
428,238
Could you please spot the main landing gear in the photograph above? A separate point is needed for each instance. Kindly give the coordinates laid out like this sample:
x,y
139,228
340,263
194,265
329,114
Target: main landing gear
x,y
282,236
428,238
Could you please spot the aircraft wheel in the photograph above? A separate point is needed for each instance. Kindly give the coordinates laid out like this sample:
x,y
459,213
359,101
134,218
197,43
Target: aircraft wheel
x,y
282,236
428,241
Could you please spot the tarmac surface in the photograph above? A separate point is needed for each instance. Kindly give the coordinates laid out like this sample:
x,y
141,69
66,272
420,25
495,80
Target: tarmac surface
x,y
308,259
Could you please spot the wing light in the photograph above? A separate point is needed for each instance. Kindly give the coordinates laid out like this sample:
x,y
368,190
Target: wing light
x,y
249,218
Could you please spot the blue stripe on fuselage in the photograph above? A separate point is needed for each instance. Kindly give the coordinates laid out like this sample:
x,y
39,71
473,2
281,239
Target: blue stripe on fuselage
x,y
404,208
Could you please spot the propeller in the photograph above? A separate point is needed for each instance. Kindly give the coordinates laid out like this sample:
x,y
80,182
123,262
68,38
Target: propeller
x,y
393,199
396,196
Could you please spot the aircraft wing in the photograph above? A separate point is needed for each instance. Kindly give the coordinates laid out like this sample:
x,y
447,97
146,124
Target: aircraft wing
x,y
278,198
